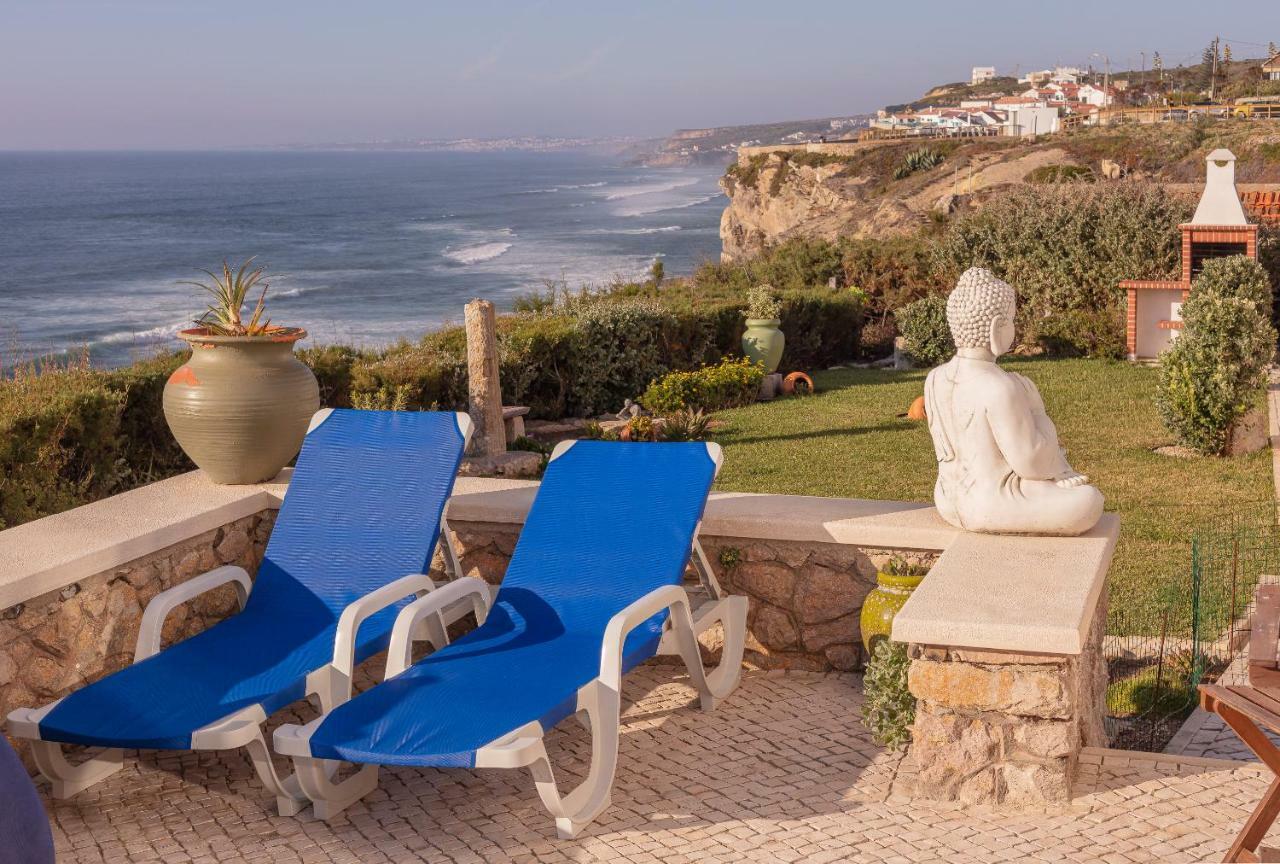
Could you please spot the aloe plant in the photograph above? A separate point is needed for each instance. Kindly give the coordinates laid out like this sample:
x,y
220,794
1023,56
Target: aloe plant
x,y
229,290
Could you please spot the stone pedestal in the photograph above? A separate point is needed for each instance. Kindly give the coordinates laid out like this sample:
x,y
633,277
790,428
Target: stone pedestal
x,y
999,727
770,387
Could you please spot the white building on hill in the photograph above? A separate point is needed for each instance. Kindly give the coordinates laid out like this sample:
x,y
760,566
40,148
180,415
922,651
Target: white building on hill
x,y
982,74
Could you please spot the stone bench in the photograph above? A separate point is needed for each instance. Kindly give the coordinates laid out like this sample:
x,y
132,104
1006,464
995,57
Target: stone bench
x,y
513,421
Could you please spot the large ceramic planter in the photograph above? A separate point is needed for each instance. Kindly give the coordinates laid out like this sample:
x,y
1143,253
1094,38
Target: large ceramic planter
x,y
240,406
763,342
882,604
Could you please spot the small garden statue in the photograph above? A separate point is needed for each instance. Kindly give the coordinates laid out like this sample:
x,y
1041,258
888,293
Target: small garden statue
x,y
1000,468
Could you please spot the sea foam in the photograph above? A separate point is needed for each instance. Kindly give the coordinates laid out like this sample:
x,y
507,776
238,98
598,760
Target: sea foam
x,y
477,253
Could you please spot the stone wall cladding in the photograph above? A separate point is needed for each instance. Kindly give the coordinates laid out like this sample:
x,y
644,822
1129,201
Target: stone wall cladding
x,y
805,598
53,644
995,727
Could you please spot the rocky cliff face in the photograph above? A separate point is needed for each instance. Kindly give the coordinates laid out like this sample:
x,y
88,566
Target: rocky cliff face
x,y
776,195
860,189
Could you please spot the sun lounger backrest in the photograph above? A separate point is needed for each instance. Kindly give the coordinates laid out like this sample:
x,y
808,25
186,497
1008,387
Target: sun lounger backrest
x,y
363,508
611,522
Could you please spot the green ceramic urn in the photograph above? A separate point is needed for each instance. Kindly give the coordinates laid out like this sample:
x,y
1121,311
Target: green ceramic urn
x,y
241,405
763,342
882,603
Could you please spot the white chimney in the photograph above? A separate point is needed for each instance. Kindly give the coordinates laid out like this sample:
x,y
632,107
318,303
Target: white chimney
x,y
1220,203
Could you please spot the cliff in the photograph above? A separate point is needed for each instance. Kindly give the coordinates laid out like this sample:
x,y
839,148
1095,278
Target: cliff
x,y
870,189
718,145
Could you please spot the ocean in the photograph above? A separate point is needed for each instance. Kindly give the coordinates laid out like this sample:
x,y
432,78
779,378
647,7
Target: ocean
x,y
364,247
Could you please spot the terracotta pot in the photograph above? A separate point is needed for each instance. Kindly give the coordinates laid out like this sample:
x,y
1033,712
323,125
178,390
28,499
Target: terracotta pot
x,y
240,406
882,604
763,342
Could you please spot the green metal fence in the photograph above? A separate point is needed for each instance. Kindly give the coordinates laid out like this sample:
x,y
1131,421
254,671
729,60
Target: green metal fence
x,y
1199,633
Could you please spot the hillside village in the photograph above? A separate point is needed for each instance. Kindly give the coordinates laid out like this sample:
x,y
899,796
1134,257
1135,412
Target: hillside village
x,y
1047,100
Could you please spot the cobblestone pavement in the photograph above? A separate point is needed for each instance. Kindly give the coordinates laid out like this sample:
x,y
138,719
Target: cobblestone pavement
x,y
782,771
1207,735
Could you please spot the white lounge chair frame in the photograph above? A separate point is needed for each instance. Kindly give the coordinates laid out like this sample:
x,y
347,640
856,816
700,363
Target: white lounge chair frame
x,y
599,703
330,685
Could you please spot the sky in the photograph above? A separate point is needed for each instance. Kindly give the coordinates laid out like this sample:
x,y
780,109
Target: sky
x,y
199,74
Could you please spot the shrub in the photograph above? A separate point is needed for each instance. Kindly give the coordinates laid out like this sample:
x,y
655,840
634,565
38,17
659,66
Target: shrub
x,y
431,374
1079,333
1216,370
924,325
762,304
726,385
1060,174
147,450
888,708
1066,247
58,441
1237,277
894,271
332,365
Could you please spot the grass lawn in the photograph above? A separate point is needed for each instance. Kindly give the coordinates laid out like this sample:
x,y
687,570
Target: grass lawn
x,y
847,441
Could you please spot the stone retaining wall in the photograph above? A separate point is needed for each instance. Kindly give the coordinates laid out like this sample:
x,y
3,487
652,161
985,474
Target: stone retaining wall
x,y
805,598
53,644
995,727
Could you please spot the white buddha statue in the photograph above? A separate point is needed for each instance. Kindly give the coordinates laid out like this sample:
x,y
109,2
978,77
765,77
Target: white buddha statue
x,y
1000,468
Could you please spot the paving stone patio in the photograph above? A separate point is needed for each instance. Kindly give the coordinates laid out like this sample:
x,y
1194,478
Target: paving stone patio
x,y
781,772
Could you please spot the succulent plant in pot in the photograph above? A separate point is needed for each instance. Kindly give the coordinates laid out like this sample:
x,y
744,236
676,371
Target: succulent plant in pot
x,y
763,340
241,405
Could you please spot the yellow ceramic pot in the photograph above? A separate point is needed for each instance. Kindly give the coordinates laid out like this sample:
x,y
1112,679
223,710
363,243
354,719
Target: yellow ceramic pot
x,y
884,602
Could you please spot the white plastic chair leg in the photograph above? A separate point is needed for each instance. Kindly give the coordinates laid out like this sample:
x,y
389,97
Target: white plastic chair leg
x,y
68,779
714,685
288,793
591,797
328,798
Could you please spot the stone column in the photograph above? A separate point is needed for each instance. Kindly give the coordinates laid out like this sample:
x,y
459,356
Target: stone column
x,y
997,727
484,392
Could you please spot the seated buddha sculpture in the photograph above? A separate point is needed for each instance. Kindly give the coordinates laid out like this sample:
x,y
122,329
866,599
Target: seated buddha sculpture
x,y
1000,467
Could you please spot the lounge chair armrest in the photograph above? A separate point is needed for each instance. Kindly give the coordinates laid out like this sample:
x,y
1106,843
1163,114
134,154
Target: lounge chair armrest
x,y
344,640
153,618
430,608
621,624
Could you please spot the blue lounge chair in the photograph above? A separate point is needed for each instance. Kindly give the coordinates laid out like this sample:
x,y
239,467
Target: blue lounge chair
x,y
364,508
592,590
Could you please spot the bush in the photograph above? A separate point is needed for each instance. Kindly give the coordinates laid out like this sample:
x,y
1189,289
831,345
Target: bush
x,y
58,441
1066,247
924,324
1215,372
888,708
894,271
147,449
332,365
1079,333
726,385
1060,174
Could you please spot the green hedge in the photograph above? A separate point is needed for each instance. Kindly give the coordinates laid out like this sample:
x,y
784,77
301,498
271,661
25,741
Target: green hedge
x,y
589,355
70,435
